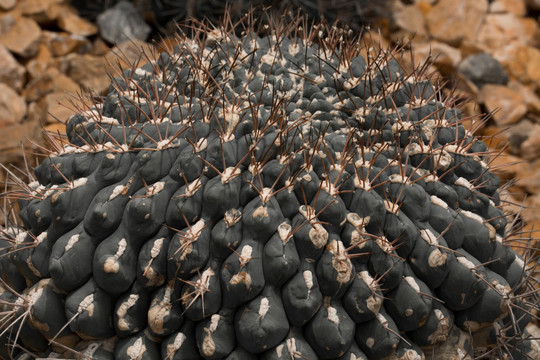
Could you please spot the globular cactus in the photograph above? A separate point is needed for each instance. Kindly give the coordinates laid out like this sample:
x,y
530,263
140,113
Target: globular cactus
x,y
280,194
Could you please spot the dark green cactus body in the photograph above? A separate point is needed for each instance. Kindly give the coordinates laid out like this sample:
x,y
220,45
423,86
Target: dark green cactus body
x,y
273,197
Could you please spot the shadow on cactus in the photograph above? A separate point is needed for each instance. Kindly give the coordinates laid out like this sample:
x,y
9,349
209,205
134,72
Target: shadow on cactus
x,y
287,193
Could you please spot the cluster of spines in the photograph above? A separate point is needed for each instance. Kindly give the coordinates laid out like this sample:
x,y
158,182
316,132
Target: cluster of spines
x,y
279,156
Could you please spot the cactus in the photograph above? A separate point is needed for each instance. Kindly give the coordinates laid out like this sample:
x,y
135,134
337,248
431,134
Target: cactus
x,y
287,193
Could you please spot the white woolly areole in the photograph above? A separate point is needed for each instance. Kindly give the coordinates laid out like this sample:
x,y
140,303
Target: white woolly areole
x,y
466,262
266,194
399,178
284,232
231,217
173,347
196,229
121,313
201,145
79,182
136,350
86,305
464,182
308,279
156,248
382,319
332,315
19,238
41,237
214,321
155,188
111,264
384,244
443,327
428,237
116,191
438,201
72,241
264,307
202,282
229,174
442,159
192,187
391,207
245,255
472,216
412,282
358,222
340,262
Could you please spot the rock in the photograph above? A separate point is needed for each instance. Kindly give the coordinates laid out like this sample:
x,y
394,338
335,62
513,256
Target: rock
x,y
444,56
43,12
523,65
76,25
516,7
22,38
122,22
88,71
12,106
62,43
500,33
11,138
530,148
531,99
509,105
410,19
7,4
57,107
40,62
11,72
517,134
126,54
453,21
49,81
483,69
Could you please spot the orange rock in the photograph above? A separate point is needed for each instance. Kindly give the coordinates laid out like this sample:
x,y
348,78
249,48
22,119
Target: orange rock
x,y
424,6
40,62
12,106
410,19
517,7
453,21
508,105
493,138
11,72
42,11
99,47
56,128
49,81
128,53
444,56
58,107
7,4
501,33
530,148
74,24
23,37
527,92
523,65
62,43
88,71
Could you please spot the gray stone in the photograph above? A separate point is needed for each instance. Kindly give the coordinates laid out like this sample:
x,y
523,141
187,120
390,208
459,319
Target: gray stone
x,y
122,22
483,69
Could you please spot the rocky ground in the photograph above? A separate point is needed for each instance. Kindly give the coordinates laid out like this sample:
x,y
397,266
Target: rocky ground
x,y
488,51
